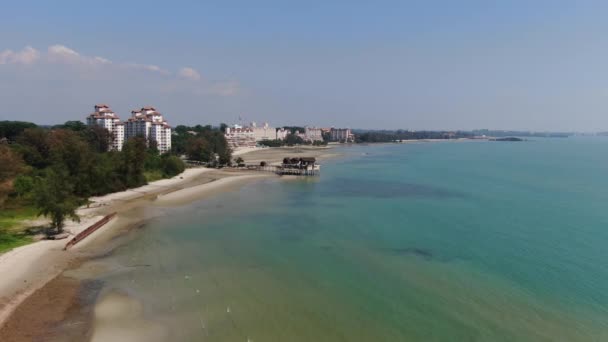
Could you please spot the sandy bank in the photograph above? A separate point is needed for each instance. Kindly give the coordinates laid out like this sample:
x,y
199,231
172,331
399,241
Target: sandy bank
x,y
190,175
187,195
275,155
28,268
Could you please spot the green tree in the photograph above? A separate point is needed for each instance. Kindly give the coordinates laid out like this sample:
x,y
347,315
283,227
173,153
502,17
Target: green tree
x,y
33,145
293,139
272,143
11,165
12,129
54,198
199,149
77,126
224,154
107,175
326,137
172,165
98,138
181,129
70,151
23,186
153,146
132,164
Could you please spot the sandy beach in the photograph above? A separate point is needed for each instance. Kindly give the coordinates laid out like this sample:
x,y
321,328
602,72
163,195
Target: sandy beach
x,y
35,295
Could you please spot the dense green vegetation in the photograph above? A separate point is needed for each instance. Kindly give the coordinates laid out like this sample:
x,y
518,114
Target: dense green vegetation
x,y
56,170
204,144
272,143
11,129
393,136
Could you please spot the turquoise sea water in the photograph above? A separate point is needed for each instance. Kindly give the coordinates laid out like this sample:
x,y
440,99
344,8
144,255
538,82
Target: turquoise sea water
x,y
475,241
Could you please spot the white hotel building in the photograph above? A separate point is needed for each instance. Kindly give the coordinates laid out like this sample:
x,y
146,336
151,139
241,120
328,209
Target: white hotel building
x,y
239,136
147,123
263,132
342,135
313,134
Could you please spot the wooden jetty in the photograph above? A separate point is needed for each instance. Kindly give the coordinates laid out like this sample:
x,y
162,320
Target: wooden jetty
x,y
291,167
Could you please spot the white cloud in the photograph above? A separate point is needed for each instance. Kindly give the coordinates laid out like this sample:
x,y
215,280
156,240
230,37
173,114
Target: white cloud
x,y
62,51
146,67
189,73
28,55
63,54
88,67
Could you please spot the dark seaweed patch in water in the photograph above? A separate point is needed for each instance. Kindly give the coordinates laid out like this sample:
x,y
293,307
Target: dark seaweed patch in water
x,y
383,189
417,252
89,291
422,253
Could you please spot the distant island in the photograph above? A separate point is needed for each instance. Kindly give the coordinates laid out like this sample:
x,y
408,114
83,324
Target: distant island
x,y
507,139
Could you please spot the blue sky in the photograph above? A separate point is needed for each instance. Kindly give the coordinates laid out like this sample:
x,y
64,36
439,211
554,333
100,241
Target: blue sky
x,y
538,65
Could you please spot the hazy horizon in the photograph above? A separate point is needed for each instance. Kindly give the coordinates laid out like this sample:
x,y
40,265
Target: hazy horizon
x,y
417,65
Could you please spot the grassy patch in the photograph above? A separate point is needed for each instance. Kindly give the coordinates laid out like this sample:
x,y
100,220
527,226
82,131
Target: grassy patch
x,y
13,232
13,215
152,176
10,240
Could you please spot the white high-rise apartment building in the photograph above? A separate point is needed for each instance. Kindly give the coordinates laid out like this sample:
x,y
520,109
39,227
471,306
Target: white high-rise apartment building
x,y
149,124
104,117
146,122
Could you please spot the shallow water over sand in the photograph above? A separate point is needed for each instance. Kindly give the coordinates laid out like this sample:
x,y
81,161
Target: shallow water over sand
x,y
424,242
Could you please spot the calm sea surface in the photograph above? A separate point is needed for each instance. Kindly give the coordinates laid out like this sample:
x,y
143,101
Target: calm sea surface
x,y
475,241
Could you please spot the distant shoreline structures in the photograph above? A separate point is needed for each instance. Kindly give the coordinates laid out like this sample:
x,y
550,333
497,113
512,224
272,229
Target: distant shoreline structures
x,y
239,136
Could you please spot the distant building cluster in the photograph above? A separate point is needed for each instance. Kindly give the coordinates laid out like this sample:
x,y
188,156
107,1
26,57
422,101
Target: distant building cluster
x,y
249,136
341,135
146,122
